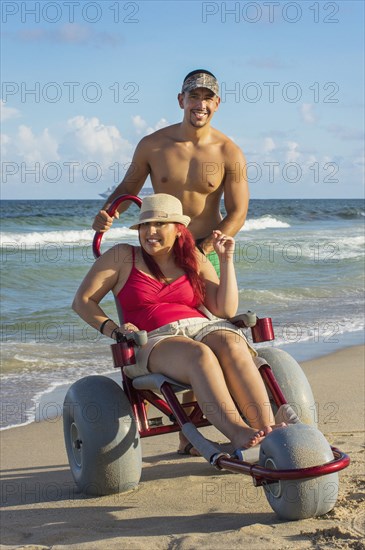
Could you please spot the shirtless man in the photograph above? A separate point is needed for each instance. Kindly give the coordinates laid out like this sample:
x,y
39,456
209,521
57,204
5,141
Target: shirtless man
x,y
197,164
194,162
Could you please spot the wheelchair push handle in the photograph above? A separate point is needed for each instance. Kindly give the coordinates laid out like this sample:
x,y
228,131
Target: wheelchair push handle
x,y
246,320
261,329
139,338
123,351
111,211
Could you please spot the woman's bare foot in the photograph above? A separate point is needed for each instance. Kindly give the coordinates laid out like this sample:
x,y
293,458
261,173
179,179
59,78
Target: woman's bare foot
x,y
248,437
269,429
185,447
256,436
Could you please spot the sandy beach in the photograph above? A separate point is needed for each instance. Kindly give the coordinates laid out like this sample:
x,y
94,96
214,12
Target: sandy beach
x,y
183,503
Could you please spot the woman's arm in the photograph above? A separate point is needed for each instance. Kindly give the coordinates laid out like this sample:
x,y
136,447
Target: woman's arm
x,y
109,271
221,294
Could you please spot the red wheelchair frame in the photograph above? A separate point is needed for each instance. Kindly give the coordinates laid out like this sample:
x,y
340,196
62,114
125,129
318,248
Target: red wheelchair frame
x,y
175,411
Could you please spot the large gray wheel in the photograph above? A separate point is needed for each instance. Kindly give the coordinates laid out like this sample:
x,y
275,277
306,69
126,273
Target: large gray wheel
x,y
293,383
293,447
101,437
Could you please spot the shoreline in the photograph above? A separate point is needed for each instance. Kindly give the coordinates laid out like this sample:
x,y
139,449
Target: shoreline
x,y
51,400
48,403
41,507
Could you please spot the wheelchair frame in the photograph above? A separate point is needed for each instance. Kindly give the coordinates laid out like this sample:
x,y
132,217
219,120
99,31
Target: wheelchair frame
x,y
175,411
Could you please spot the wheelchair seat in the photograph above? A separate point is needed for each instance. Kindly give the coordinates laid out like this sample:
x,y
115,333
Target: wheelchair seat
x,y
154,382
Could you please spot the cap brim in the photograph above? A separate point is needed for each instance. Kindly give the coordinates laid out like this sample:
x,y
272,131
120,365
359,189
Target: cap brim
x,y
201,80
192,87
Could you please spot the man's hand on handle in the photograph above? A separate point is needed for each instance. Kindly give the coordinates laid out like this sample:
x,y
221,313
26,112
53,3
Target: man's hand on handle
x,y
103,221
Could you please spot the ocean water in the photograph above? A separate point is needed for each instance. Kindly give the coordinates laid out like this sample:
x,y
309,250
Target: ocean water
x,y
300,262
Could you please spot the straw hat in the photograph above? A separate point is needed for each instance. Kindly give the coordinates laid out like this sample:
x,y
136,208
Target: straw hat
x,y
161,208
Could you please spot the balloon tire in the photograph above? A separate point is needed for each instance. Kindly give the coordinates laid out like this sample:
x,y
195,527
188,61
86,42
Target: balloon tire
x,y
293,383
101,437
290,448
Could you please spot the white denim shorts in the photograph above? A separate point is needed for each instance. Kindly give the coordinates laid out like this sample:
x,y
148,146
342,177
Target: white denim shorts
x,y
195,328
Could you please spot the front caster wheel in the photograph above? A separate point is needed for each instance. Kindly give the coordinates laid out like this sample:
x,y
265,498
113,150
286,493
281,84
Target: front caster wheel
x,y
298,446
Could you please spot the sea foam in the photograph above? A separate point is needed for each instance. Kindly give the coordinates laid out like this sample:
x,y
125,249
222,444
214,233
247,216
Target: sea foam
x,y
62,238
265,222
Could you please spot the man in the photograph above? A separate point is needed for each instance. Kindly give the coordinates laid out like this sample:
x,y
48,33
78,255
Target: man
x,y
194,162
197,164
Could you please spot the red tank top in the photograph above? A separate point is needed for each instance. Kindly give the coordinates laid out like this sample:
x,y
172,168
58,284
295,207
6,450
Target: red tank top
x,y
150,304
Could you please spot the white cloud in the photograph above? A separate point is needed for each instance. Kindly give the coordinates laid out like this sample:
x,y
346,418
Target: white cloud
x,y
269,145
73,33
101,147
4,142
36,148
345,133
139,124
160,124
88,140
307,112
292,154
7,113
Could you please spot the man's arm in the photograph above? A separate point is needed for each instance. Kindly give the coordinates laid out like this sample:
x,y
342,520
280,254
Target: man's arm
x,y
236,195
132,184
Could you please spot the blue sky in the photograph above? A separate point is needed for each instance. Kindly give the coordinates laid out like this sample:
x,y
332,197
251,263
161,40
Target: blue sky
x,y
83,82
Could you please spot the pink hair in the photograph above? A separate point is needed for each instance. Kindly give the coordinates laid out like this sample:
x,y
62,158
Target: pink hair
x,y
185,256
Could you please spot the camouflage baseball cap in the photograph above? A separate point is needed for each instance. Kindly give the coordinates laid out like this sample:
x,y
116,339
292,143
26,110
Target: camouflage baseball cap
x,y
200,79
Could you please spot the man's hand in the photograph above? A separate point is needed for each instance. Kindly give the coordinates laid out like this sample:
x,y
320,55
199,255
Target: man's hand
x,y
103,221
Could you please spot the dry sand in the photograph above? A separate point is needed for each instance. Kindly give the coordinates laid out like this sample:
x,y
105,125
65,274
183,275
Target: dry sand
x,y
182,503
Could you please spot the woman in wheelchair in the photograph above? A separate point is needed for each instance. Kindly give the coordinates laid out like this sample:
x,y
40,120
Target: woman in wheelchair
x,y
167,287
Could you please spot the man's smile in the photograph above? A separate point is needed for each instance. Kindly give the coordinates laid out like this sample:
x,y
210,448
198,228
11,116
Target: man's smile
x,y
199,114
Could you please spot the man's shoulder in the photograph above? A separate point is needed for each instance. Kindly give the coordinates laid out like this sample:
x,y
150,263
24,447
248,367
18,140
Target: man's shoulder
x,y
229,147
167,132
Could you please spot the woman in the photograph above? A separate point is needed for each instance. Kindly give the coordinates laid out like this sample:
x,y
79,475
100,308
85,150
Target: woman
x,y
160,286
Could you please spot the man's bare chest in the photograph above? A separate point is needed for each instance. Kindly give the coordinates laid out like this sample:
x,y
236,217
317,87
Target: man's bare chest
x,y
199,171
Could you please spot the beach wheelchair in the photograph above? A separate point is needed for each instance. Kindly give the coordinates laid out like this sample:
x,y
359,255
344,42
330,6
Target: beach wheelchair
x,y
104,422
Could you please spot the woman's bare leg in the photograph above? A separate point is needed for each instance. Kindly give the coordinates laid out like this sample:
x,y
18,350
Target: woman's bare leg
x,y
242,377
194,363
